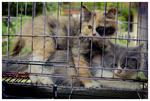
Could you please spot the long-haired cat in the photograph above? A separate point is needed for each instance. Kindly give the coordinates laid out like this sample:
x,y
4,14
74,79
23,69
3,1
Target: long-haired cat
x,y
45,47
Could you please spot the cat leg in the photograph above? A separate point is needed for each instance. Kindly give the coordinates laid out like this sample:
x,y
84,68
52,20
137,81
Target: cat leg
x,y
84,72
42,50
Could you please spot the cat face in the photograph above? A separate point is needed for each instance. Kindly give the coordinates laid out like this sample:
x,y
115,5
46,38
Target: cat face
x,y
124,61
98,23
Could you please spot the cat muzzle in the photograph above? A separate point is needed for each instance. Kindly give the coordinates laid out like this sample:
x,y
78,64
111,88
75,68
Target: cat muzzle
x,y
118,71
123,73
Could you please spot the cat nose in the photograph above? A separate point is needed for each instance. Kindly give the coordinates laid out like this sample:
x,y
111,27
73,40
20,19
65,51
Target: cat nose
x,y
94,34
119,71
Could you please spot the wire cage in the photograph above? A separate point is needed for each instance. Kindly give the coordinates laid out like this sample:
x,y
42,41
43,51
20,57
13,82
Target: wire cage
x,y
86,50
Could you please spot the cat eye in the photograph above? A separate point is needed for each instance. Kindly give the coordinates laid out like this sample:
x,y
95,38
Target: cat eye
x,y
130,63
90,26
124,65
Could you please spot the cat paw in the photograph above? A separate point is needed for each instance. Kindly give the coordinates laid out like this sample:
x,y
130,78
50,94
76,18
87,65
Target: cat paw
x,y
41,80
92,84
34,79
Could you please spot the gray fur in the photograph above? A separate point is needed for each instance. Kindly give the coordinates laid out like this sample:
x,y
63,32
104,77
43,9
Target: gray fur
x,y
118,57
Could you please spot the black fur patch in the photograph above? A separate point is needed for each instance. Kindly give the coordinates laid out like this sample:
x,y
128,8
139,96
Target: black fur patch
x,y
96,50
105,31
52,23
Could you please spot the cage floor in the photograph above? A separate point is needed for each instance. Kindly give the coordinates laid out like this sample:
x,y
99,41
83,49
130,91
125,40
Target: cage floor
x,y
39,91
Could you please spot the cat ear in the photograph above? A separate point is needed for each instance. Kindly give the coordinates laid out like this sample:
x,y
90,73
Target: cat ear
x,y
86,14
111,13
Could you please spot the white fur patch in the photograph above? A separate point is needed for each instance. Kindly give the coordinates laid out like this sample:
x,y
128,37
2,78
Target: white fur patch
x,y
38,68
93,84
120,84
104,73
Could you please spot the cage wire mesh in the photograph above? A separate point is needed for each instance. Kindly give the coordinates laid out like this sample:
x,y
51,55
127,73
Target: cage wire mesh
x,y
114,62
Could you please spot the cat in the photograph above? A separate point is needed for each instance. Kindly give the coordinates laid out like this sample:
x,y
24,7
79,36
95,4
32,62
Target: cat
x,y
93,24
117,61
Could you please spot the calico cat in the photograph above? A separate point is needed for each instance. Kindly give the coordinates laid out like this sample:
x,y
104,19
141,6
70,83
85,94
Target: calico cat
x,y
94,24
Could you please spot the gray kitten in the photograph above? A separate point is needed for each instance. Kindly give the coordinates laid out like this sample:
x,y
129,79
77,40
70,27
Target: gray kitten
x,y
123,62
118,62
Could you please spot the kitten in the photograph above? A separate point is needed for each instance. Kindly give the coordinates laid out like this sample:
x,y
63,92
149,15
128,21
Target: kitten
x,y
118,62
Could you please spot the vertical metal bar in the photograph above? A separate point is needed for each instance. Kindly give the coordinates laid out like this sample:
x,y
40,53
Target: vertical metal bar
x,y
81,10
114,60
137,36
68,34
17,18
21,21
128,40
8,33
58,14
79,42
26,4
44,20
146,44
57,31
68,38
20,34
91,43
129,19
33,15
105,9
16,25
121,7
143,27
138,23
102,61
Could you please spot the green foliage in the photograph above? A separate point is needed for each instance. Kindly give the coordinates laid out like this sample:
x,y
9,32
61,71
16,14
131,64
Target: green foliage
x,y
14,28
123,42
142,76
4,27
27,8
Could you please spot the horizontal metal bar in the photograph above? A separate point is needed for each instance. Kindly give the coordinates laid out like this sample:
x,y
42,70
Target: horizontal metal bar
x,y
75,37
60,66
87,78
13,17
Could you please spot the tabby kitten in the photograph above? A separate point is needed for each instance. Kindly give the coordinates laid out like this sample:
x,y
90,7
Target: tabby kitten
x,y
118,61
